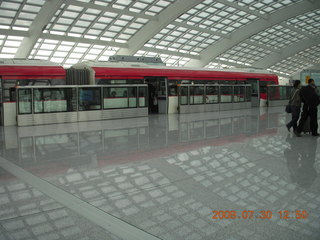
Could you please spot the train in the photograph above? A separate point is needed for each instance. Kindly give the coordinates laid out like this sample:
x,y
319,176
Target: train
x,y
165,84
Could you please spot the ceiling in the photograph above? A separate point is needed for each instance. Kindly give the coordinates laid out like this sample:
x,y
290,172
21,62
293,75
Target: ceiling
x,y
282,36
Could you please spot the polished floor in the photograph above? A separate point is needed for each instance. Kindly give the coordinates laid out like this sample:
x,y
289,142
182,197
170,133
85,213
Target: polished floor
x,y
233,175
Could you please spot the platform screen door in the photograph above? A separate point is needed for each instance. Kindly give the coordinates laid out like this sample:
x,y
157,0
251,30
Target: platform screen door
x,y
255,93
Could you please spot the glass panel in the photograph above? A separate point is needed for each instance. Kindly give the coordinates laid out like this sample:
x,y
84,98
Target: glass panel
x,y
115,97
196,95
226,94
24,101
54,100
212,94
238,95
254,87
89,99
248,94
143,96
132,91
172,90
37,100
279,92
183,95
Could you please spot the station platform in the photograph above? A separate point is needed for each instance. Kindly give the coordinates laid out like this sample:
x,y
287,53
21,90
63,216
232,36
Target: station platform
x,y
232,175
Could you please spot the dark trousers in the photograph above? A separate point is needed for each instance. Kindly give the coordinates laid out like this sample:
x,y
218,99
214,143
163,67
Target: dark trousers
x,y
311,112
295,117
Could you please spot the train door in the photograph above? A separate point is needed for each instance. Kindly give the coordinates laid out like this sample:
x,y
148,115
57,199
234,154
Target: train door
x,y
255,93
158,94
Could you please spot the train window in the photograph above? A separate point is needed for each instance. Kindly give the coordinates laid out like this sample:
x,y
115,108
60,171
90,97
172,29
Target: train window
x,y
238,94
53,100
226,94
196,95
228,82
24,103
143,91
212,94
89,99
183,95
115,97
172,89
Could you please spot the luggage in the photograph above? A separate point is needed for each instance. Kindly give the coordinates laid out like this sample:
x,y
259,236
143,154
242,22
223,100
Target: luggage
x,y
306,126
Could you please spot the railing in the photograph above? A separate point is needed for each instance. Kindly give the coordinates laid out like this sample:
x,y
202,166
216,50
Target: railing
x,y
57,104
204,97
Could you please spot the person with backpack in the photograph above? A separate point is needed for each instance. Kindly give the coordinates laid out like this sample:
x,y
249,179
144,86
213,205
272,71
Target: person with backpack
x,y
295,106
310,101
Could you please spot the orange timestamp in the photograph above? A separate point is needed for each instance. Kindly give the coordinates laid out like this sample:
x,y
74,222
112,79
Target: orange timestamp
x,y
249,214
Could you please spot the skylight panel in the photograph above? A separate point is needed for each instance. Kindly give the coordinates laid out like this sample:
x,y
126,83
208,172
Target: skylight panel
x,y
82,23
5,21
60,27
65,21
7,13
70,14
163,3
9,5
88,17
77,30
136,25
121,23
76,55
140,5
130,31
105,20
22,23
25,15
115,29
36,2
155,9
29,8
218,65
60,54
74,8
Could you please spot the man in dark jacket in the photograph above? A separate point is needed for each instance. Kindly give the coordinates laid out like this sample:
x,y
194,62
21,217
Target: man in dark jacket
x,y
310,101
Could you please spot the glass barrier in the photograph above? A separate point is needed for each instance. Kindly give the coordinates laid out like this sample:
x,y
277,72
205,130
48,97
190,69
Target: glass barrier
x,y
46,100
238,94
81,98
115,97
279,92
248,94
212,94
25,101
184,95
143,93
196,95
226,93
89,98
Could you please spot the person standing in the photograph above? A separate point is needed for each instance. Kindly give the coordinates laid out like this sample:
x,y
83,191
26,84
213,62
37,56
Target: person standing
x,y
295,103
310,101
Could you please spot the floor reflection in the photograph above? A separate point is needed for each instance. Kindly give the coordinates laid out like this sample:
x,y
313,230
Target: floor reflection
x,y
165,174
301,160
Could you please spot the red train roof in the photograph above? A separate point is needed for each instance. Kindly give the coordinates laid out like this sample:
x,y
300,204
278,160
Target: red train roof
x,y
173,73
6,70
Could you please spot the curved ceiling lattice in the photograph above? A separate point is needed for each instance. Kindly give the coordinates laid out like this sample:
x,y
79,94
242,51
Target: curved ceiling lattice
x,y
278,35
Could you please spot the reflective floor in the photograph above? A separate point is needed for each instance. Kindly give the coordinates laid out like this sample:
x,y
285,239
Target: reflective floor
x,y
232,175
